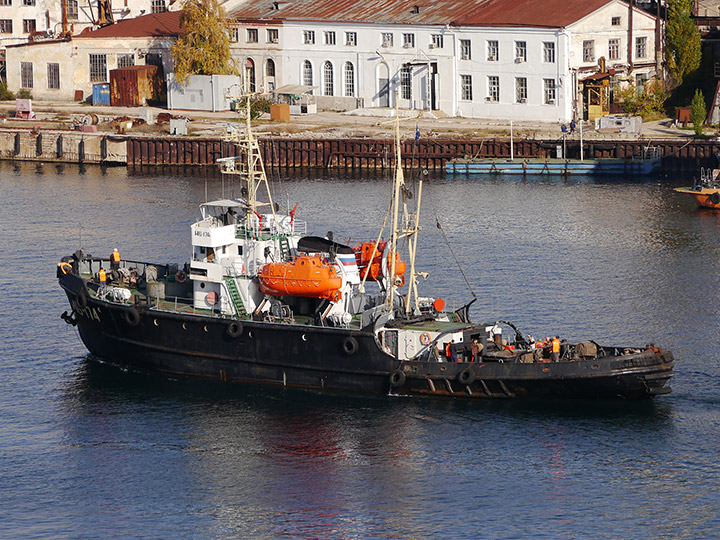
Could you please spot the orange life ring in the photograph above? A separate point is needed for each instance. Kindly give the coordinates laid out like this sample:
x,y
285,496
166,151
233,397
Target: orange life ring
x,y
64,267
424,338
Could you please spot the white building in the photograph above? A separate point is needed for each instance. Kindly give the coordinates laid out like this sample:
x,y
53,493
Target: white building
x,y
504,59
54,70
23,21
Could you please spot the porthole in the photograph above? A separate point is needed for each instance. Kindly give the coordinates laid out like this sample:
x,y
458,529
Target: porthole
x,y
155,322
184,326
205,328
202,285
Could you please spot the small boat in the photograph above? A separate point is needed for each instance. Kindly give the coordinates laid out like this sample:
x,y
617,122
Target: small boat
x,y
259,301
705,191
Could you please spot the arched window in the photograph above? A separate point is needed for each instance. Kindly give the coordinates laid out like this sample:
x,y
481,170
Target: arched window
x,y
329,79
250,74
307,73
349,79
270,68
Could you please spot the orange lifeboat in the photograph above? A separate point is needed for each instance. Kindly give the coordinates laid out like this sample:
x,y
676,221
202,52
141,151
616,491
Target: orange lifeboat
x,y
373,268
306,275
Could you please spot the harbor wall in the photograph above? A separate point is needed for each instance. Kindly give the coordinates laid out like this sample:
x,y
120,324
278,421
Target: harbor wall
x,y
345,154
63,146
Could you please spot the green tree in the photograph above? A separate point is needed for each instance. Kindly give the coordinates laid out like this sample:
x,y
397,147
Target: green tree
x,y
698,112
647,101
204,46
683,40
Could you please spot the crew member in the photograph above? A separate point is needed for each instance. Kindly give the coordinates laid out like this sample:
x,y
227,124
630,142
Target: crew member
x,y
102,277
453,351
474,350
114,260
556,349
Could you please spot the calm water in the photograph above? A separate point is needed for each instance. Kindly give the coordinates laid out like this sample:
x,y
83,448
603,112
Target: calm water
x,y
90,451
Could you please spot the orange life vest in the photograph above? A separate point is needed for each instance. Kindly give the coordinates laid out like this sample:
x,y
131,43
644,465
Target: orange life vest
x,y
115,256
102,275
556,345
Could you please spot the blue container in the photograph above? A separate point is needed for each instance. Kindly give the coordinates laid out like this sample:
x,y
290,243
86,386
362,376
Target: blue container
x,y
101,94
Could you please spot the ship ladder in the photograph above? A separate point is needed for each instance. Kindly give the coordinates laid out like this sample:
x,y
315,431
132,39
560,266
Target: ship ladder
x,y
284,248
235,297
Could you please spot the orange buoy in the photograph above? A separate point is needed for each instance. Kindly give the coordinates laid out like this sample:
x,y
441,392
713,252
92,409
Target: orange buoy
x,y
439,304
306,275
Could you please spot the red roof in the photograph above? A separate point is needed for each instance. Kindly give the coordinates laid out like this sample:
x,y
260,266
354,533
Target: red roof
x,y
533,13
508,13
165,24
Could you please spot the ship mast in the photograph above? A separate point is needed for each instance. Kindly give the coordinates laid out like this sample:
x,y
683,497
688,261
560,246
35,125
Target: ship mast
x,y
252,168
410,228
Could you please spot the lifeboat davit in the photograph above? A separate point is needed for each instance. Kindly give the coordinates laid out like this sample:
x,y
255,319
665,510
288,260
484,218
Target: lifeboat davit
x,y
306,275
374,268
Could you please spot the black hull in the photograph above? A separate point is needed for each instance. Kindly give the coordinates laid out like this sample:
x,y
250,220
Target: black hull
x,y
338,359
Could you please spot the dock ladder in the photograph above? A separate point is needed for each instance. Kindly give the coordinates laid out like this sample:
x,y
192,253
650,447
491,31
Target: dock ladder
x,y
235,296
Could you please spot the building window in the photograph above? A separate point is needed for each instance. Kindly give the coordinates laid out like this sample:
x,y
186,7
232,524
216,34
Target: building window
x,y
641,47
5,2
270,68
72,10
615,21
614,49
520,51
98,68
409,41
252,35
5,26
28,26
26,75
387,39
493,88
28,2
351,39
307,73
53,76
466,87
549,52
330,38
406,83
520,90
349,79
158,6
437,41
329,79
125,60
309,37
234,35
549,91
492,51
272,35
250,74
589,51
465,49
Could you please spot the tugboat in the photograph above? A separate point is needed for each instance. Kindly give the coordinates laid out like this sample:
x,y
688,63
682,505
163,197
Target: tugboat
x,y
705,191
260,301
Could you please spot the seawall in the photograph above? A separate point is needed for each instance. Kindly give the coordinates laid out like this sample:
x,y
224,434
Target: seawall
x,y
79,147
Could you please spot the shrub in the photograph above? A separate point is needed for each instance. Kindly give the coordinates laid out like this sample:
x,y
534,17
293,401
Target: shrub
x,y
5,94
645,102
698,112
24,93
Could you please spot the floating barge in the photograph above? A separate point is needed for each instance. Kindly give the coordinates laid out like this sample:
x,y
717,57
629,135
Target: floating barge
x,y
564,167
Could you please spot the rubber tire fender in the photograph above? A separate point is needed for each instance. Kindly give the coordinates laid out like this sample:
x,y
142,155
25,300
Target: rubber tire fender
x,y
350,345
131,316
466,377
234,329
81,299
715,198
397,378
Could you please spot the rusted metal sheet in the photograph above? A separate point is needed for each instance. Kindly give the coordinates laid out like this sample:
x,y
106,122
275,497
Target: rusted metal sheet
x,y
134,86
